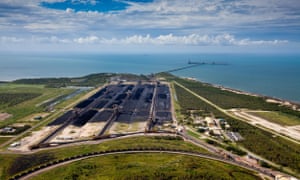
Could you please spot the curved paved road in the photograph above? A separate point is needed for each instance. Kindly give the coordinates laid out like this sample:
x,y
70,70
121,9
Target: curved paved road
x,y
37,172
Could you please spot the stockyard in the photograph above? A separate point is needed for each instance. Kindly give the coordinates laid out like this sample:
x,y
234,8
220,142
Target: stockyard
x,y
116,109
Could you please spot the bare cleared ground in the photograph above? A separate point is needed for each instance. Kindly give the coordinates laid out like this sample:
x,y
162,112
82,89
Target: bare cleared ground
x,y
295,128
72,133
291,131
4,116
120,127
34,138
284,103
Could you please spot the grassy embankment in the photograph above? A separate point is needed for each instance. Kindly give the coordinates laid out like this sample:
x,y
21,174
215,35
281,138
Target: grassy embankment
x,y
275,149
12,164
148,166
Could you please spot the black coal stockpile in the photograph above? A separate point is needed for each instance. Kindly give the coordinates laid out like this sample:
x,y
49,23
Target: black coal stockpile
x,y
129,88
101,104
84,118
121,97
163,115
84,103
162,96
98,94
102,116
111,105
65,117
138,93
124,117
149,97
129,105
144,114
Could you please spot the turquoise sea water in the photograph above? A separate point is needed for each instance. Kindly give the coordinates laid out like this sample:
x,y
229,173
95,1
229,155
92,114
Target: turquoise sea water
x,y
272,75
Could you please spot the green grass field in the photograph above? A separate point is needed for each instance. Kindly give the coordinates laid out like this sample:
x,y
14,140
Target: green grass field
x,y
191,133
148,166
23,107
278,117
8,99
12,164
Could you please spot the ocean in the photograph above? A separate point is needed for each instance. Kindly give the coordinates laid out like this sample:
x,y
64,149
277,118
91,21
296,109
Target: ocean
x,y
265,74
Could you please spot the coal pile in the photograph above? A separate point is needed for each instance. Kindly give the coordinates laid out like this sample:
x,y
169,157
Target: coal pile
x,y
85,117
102,116
101,104
84,103
162,96
163,105
129,88
98,94
134,102
137,94
149,97
62,119
112,104
121,97
125,118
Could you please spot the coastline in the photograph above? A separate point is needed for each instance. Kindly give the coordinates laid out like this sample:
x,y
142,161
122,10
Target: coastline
x,y
281,79
276,100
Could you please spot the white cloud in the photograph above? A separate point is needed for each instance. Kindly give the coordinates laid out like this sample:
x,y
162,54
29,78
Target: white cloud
x,y
192,39
169,39
204,15
85,40
210,8
70,10
245,42
51,40
50,27
7,39
161,22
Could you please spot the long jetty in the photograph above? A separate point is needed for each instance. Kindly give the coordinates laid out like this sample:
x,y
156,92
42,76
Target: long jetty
x,y
194,64
182,68
207,63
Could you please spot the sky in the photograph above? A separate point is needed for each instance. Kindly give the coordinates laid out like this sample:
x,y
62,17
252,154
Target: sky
x,y
145,26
